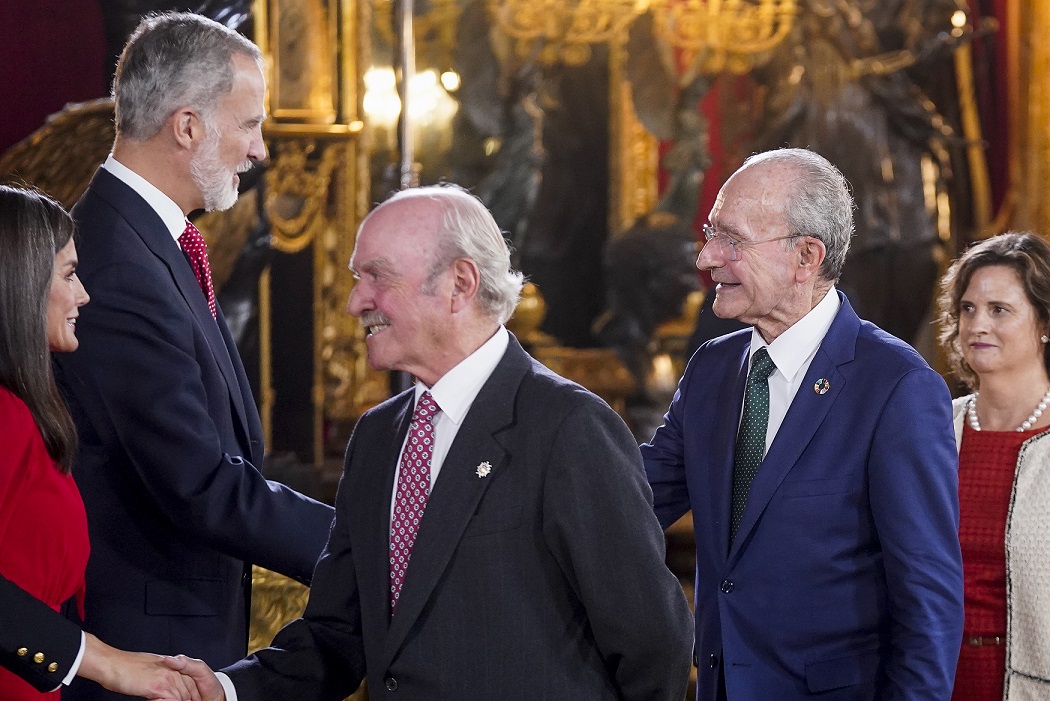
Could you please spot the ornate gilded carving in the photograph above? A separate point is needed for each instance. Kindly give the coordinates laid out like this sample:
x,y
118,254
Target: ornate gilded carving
x,y
298,182
562,28
347,385
722,35
61,156
634,153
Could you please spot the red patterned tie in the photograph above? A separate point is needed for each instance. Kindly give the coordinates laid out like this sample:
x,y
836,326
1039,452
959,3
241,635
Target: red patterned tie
x,y
413,488
197,251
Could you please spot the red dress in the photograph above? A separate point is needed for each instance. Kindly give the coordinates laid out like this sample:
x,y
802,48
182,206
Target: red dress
x,y
43,526
987,462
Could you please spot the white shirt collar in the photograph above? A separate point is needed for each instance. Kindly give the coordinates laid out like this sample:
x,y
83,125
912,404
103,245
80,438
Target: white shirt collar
x,y
165,207
793,348
455,391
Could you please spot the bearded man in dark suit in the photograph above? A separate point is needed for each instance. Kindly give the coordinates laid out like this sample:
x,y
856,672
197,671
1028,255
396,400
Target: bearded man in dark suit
x,y
169,432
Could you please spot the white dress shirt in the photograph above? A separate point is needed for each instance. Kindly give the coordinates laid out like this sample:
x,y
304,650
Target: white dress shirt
x,y
165,207
454,393
793,352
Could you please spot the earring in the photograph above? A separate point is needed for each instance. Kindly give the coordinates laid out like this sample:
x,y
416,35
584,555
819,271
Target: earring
x,y
1044,338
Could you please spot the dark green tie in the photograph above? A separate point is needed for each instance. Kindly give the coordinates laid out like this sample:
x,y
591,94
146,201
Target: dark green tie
x,y
751,440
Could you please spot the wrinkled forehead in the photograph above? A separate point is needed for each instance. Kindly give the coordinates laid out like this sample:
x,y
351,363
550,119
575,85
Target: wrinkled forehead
x,y
406,227
757,190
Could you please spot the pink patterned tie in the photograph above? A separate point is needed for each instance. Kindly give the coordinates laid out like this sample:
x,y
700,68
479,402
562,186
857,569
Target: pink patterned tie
x,y
413,488
193,244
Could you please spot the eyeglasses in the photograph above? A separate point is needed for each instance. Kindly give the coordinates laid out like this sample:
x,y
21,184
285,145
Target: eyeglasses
x,y
722,241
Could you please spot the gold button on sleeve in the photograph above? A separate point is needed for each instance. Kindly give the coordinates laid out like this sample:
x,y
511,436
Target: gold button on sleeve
x,y
53,667
38,657
22,652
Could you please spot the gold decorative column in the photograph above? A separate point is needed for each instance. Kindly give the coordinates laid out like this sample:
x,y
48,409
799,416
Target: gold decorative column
x,y
634,153
1028,68
317,191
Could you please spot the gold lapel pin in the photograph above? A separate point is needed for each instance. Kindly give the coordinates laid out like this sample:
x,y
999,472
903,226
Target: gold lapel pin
x,y
821,386
483,469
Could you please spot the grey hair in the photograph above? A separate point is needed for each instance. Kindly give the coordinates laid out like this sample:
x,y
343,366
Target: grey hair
x,y
469,231
173,60
820,206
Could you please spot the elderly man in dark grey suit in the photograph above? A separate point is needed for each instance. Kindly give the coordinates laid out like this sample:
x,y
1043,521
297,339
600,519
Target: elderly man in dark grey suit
x,y
494,537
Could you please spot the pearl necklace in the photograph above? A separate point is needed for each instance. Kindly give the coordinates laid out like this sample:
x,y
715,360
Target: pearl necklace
x,y
975,424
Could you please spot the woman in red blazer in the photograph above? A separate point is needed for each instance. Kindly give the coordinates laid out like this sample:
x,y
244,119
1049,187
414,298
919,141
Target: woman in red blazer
x,y
43,526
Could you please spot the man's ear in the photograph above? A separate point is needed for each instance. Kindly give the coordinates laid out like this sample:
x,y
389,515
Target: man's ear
x,y
466,279
187,128
811,253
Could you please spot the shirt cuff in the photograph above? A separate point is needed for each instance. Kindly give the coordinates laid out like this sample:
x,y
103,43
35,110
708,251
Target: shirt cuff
x,y
76,663
227,686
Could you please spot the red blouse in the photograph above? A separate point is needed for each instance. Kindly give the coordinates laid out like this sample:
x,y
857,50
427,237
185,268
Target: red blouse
x,y
43,527
987,462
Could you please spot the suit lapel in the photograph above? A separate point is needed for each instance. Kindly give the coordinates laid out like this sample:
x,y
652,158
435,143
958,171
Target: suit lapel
x,y
803,419
731,397
371,496
151,229
458,489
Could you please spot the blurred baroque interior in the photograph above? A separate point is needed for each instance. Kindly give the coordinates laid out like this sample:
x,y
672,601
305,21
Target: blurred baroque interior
x,y
597,132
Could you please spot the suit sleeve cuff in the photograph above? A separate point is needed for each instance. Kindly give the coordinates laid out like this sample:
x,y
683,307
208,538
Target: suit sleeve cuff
x,y
227,686
75,667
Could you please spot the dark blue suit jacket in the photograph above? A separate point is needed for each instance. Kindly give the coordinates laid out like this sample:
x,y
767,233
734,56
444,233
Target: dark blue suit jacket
x,y
543,578
29,626
168,438
845,578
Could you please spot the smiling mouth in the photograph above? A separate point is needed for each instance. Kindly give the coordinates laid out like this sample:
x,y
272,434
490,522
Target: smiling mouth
x,y
376,328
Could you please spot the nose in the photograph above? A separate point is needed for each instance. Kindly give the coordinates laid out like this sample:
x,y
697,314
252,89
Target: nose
x,y
80,293
977,323
710,256
356,303
257,147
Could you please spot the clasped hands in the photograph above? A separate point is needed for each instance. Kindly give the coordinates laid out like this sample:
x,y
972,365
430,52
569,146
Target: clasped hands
x,y
149,676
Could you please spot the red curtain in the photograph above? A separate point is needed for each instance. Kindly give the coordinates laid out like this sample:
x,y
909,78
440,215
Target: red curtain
x,y
51,53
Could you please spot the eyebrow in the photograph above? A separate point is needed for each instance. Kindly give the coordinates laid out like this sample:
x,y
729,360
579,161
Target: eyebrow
x,y
728,229
377,266
995,302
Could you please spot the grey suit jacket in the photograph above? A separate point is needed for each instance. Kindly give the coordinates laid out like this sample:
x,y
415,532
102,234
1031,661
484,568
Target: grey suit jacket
x,y
544,579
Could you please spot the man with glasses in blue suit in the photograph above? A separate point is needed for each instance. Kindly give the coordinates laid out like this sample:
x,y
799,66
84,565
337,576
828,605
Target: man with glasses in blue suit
x,y
816,454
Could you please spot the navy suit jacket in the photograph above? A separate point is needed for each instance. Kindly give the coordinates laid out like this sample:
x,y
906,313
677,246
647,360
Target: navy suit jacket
x,y
169,435
543,578
29,626
845,578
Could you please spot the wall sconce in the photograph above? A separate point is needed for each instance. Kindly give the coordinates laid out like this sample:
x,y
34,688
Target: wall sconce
x,y
431,108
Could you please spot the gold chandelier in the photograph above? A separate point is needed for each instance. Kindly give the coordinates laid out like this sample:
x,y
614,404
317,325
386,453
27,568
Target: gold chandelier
x,y
711,35
723,35
561,31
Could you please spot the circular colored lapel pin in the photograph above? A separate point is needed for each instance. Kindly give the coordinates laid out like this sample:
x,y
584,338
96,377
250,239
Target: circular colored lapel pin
x,y
821,386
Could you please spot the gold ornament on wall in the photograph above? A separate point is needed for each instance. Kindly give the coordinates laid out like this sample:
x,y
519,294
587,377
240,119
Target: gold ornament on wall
x,y
297,183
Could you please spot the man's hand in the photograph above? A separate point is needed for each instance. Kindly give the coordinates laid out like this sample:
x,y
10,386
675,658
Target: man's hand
x,y
199,675
136,673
